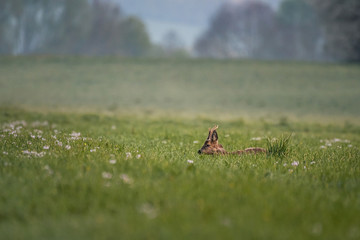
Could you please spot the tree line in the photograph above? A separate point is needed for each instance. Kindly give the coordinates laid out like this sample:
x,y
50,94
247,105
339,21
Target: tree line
x,y
299,29
70,27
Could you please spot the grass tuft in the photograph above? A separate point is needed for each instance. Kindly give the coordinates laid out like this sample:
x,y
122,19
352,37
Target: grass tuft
x,y
278,147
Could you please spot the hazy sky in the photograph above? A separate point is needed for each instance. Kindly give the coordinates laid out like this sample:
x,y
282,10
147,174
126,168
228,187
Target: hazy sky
x,y
189,18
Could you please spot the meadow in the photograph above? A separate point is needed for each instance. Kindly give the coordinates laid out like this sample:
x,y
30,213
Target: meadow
x,y
103,148
228,89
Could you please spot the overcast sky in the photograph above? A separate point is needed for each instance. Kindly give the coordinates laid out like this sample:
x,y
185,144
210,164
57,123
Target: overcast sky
x,y
188,18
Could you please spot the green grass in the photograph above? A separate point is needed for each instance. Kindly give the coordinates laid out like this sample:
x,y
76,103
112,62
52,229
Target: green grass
x,y
98,148
278,147
313,192
191,87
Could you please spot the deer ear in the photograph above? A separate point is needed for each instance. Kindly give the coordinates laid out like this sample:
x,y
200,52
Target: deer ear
x,y
209,134
214,136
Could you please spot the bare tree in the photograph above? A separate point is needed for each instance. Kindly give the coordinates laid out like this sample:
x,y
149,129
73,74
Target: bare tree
x,y
96,27
300,31
237,31
341,19
25,25
254,30
172,42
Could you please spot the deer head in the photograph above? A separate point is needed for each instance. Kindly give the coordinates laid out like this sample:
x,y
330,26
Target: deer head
x,y
211,145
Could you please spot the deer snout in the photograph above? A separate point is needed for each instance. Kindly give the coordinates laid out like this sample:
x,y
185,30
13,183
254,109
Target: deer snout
x,y
199,152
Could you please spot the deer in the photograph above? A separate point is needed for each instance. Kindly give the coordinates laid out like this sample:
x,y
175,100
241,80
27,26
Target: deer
x,y
212,146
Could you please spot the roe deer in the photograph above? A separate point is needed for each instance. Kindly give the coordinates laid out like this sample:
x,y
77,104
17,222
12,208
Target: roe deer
x,y
212,146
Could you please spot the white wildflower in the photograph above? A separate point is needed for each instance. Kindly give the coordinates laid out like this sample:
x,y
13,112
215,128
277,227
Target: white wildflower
x,y
335,140
39,132
112,161
138,156
295,163
256,139
349,145
148,210
16,123
190,161
93,150
13,133
322,147
26,152
128,155
227,135
126,179
5,153
106,175
113,127
195,141
75,135
285,164
48,169
164,142
67,147
46,147
33,153
58,143
312,162
40,154
40,124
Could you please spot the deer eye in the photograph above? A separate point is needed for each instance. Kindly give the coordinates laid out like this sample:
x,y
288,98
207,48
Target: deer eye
x,y
208,145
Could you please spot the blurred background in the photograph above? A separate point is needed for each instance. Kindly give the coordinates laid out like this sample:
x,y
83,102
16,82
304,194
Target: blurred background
x,y
306,30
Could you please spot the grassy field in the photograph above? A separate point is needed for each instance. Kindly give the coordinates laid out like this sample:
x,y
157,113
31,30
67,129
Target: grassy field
x,y
107,148
225,89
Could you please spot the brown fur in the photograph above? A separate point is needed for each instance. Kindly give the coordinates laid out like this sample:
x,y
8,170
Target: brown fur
x,y
212,146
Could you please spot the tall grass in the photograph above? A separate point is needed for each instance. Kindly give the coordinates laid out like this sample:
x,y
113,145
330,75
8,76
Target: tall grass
x,y
278,147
